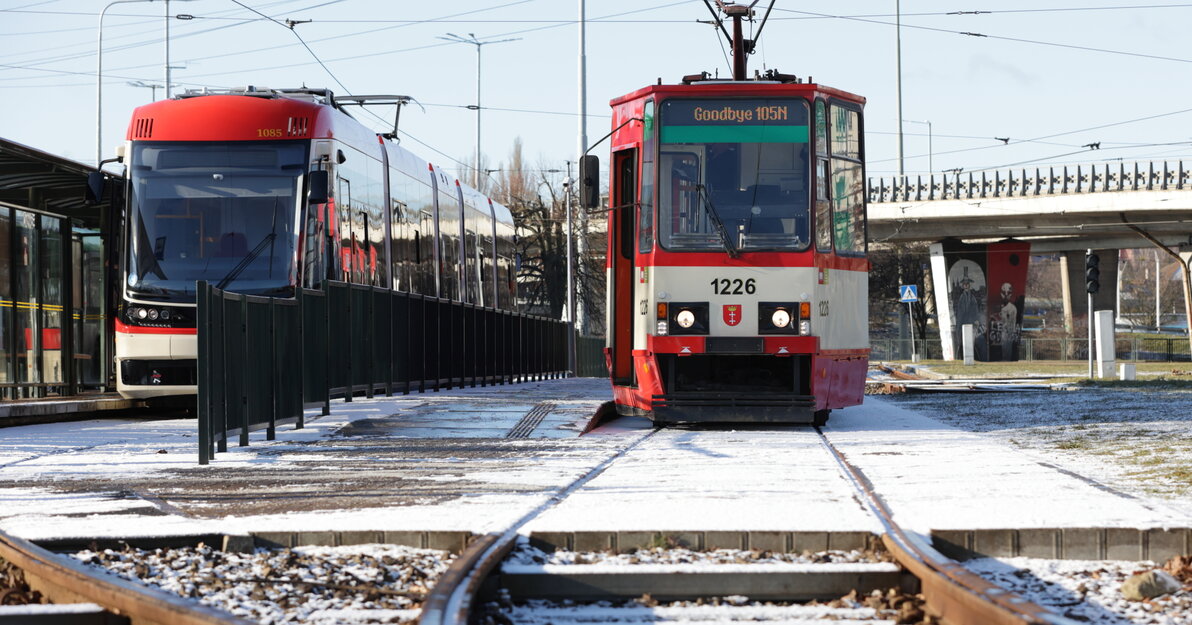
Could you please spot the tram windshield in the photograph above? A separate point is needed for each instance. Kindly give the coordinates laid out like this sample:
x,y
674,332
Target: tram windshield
x,y
733,174
221,212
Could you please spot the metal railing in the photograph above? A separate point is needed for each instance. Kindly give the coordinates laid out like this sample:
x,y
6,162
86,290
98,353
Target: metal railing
x,y
1125,349
1092,178
262,360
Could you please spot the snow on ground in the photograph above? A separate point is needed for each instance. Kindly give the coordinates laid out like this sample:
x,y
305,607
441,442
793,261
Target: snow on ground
x,y
735,478
935,476
440,461
345,471
1086,591
1136,440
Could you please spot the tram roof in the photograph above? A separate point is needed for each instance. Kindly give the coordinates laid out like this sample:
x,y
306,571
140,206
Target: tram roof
x,y
737,88
41,181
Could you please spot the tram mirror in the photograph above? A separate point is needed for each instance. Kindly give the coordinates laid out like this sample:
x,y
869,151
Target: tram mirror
x,y
318,187
93,194
589,181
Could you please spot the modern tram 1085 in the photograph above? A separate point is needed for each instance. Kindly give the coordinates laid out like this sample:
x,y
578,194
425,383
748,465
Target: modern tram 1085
x,y
736,267
264,191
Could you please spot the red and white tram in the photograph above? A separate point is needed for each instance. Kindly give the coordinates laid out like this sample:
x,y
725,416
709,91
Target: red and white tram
x,y
737,270
263,191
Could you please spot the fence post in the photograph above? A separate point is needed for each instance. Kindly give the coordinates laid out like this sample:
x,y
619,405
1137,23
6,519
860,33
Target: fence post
x,y
203,336
243,334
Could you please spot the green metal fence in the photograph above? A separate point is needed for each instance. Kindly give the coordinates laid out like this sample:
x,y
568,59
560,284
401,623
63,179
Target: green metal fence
x,y
262,361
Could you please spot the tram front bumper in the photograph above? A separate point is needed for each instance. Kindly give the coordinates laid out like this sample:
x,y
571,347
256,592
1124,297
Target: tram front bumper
x,y
727,407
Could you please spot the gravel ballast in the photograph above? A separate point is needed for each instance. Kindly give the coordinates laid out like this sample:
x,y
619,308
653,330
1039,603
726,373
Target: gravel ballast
x,y
315,585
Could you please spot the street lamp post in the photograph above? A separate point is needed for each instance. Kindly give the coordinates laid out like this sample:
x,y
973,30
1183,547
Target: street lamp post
x,y
471,39
99,81
898,79
99,70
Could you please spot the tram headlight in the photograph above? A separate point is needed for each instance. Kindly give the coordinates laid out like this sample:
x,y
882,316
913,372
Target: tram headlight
x,y
805,328
688,318
153,314
141,313
777,318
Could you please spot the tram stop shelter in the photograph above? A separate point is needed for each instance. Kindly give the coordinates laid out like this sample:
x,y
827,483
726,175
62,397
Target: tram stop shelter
x,y
56,276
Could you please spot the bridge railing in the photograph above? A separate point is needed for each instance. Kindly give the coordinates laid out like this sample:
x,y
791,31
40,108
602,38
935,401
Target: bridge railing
x,y
1068,179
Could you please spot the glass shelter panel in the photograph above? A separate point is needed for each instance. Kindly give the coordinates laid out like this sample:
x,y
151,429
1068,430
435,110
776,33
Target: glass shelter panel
x,y
52,300
25,296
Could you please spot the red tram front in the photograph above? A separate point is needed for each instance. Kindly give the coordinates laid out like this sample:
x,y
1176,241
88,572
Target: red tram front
x,y
737,270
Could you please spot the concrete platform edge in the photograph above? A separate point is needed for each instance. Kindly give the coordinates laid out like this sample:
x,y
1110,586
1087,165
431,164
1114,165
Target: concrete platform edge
x,y
1070,543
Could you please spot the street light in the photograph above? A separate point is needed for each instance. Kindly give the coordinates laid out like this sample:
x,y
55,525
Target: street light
x,y
930,166
99,72
99,81
471,39
141,83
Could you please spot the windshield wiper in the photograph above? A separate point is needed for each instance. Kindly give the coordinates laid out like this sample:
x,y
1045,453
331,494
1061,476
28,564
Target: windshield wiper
x,y
251,256
246,261
725,239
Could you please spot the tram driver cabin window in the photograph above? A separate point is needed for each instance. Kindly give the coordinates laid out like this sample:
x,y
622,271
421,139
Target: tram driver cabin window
x,y
848,181
733,173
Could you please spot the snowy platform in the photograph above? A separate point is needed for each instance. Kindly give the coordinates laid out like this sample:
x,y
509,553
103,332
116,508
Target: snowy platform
x,y
458,462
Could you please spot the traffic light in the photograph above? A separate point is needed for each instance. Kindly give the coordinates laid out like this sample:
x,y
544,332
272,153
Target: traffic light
x,y
1092,275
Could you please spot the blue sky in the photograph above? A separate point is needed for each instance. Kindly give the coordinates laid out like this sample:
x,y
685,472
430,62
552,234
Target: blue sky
x,y
1051,76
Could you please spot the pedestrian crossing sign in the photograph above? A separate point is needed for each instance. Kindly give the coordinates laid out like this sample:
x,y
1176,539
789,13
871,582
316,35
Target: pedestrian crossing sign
x,y
908,293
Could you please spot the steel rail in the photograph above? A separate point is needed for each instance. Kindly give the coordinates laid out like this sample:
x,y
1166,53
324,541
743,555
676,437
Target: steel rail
x,y
952,592
450,601
62,580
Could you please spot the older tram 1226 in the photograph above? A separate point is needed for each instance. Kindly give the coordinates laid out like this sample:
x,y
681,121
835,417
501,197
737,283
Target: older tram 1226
x,y
737,270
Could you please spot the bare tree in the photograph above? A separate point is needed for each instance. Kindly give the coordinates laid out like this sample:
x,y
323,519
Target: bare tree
x,y
537,198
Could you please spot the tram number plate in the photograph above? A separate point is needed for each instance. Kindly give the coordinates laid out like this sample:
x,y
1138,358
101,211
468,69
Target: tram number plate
x,y
823,308
735,286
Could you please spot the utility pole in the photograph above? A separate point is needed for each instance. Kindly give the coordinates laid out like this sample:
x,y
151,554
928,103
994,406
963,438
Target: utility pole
x,y
167,21
581,321
898,80
571,361
471,39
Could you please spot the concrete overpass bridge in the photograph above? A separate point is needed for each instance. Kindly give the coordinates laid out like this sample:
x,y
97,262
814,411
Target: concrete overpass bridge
x,y
1067,210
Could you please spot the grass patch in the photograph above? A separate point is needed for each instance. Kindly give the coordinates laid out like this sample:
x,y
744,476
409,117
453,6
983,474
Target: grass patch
x,y
1055,370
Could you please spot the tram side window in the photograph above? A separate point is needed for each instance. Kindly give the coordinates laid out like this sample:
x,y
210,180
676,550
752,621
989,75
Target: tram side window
x,y
347,245
470,275
399,227
449,228
313,269
376,271
486,271
424,250
848,182
645,227
823,206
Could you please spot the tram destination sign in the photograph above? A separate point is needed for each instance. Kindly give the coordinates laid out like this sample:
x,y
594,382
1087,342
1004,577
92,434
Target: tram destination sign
x,y
759,120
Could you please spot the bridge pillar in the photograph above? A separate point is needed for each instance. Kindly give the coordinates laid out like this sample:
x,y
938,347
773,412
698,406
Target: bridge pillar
x,y
1077,298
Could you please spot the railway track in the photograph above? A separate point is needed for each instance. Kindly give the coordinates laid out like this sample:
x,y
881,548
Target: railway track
x,y
951,592
99,598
